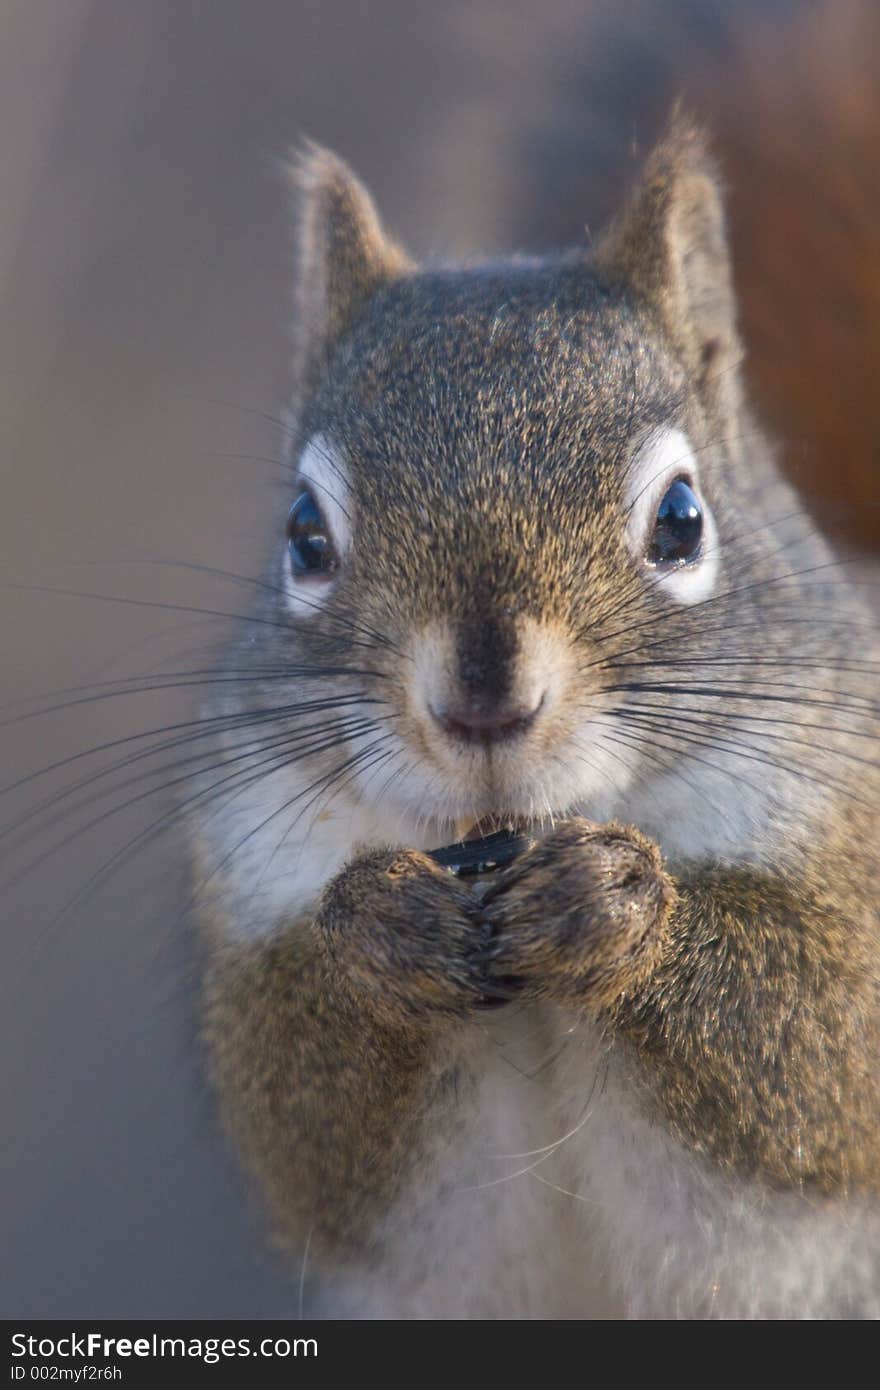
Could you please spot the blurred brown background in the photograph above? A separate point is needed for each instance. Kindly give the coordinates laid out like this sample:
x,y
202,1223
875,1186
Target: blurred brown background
x,y
143,336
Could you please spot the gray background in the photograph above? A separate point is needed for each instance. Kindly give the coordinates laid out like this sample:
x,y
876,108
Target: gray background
x,y
144,293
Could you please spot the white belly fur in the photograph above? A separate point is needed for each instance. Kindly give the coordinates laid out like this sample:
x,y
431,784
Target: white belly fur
x,y
559,1200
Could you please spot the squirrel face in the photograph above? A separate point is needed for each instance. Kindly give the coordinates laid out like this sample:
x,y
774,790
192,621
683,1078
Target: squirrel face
x,y
520,492
483,476
528,538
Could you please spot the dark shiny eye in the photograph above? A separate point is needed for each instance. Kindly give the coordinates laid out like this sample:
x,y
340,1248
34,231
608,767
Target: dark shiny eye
x,y
678,529
308,539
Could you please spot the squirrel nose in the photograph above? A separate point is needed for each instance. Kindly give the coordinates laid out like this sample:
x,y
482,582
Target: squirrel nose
x,y
473,722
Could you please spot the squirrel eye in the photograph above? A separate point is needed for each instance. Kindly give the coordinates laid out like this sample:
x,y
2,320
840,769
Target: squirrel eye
x,y
678,529
308,538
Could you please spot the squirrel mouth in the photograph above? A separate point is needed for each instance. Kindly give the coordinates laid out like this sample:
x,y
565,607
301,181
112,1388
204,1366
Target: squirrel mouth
x,y
468,830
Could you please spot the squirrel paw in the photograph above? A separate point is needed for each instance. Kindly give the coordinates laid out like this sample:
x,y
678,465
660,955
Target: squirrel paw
x,y
577,919
580,918
406,935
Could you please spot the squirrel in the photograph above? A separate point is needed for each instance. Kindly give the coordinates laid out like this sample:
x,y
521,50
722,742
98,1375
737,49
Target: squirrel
x,y
540,570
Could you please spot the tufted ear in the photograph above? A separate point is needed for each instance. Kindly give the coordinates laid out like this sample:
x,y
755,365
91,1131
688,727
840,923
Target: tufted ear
x,y
343,257
670,248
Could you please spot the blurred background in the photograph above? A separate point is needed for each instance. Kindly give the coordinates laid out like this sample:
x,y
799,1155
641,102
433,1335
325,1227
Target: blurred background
x,y
144,249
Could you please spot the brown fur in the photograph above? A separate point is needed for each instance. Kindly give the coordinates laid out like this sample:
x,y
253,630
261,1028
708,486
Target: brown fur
x,y
760,1029
487,415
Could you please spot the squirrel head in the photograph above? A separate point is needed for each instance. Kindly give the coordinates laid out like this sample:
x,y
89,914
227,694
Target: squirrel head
x,y
512,479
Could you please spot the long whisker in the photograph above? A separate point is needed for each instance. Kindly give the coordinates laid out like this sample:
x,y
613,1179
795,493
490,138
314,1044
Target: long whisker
x,y
319,784
147,603
346,623
209,724
115,810
710,739
288,738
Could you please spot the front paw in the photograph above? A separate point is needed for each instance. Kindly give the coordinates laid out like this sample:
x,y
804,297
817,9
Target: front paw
x,y
581,917
407,937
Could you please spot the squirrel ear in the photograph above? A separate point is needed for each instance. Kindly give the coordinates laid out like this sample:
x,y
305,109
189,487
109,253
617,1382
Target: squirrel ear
x,y
670,248
343,258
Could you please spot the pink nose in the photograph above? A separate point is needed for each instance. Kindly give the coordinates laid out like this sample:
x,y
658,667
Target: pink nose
x,y
473,723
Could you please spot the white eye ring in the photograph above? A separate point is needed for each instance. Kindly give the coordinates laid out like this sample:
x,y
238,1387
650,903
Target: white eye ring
x,y
660,460
322,471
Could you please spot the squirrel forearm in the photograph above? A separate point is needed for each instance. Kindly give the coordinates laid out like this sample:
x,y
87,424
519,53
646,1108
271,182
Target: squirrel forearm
x,y
325,1099
340,1041
754,1035
745,1001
